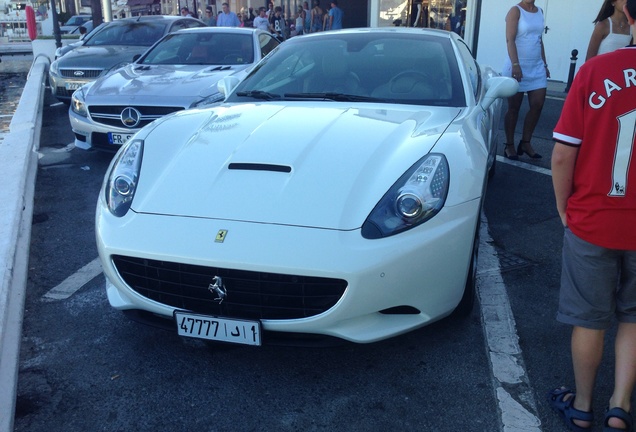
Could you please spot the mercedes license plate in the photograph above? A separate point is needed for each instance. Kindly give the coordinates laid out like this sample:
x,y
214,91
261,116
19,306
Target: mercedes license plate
x,y
118,138
218,329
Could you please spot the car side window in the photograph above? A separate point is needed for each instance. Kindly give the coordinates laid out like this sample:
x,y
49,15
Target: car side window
x,y
267,43
179,25
472,67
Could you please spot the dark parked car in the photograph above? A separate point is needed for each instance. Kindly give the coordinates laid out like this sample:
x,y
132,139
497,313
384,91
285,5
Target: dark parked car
x,y
110,47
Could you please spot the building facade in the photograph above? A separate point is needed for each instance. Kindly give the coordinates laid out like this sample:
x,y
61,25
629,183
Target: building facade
x,y
480,22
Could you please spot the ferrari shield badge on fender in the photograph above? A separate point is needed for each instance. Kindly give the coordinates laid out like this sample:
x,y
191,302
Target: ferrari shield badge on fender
x,y
220,236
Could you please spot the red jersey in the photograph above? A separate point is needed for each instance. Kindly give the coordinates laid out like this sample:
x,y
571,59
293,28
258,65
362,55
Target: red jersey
x,y
599,116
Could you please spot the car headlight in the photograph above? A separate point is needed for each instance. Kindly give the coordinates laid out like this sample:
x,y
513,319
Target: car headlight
x,y
78,104
123,177
54,69
415,198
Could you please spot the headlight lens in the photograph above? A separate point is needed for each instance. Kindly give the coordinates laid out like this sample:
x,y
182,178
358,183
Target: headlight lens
x,y
415,198
123,177
78,104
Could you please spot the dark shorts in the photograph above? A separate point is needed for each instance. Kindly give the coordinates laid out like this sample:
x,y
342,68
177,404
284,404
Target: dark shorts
x,y
596,284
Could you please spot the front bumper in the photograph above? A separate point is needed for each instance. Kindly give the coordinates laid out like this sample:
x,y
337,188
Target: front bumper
x,y
63,87
90,134
422,270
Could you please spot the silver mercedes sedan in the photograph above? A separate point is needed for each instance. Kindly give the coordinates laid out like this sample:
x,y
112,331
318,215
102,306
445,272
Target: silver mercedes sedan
x,y
181,71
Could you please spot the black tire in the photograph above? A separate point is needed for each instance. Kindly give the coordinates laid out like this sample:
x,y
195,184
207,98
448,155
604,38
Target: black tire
x,y
493,169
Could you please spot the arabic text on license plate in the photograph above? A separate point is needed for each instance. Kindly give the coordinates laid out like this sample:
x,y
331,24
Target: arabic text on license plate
x,y
218,329
73,85
117,138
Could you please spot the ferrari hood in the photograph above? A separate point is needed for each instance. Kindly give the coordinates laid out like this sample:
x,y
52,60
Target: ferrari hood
x,y
174,84
324,165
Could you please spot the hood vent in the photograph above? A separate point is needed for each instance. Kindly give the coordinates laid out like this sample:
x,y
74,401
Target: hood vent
x,y
259,167
220,68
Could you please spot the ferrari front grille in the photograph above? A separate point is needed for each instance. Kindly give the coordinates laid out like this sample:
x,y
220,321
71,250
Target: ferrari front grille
x,y
250,295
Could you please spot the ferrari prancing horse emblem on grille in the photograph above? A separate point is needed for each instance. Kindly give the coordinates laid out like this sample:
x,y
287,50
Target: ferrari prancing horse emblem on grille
x,y
216,287
220,236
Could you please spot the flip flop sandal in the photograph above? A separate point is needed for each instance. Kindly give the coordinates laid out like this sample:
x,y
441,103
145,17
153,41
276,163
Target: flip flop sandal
x,y
620,414
567,412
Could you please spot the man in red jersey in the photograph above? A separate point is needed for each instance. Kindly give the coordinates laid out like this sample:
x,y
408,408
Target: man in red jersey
x,y
594,178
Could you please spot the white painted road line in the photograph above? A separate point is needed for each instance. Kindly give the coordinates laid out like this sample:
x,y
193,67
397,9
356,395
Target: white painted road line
x,y
74,282
525,166
513,390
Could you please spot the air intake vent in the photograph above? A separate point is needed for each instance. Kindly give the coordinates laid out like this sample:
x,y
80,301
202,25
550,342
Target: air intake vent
x,y
259,167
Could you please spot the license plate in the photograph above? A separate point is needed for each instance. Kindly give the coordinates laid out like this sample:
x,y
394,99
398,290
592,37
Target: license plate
x,y
218,329
118,138
73,85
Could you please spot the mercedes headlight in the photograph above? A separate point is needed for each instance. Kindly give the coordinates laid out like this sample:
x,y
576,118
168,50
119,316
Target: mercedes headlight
x,y
78,104
123,177
415,198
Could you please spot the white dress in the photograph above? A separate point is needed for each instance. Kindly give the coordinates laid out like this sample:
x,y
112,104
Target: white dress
x,y
528,42
614,41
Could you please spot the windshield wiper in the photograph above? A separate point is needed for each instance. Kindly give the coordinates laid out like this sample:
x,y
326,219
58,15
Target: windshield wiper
x,y
340,97
258,94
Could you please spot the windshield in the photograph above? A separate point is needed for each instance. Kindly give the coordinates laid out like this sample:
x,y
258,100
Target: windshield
x,y
76,20
404,68
128,33
202,49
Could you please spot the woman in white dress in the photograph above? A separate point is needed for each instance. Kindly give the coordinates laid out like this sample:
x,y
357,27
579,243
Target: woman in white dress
x,y
525,63
611,29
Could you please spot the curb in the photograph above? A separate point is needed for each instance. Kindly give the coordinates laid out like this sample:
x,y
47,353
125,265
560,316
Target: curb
x,y
19,162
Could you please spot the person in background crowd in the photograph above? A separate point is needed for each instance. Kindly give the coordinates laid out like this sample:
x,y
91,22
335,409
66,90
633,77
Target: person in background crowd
x,y
227,18
525,63
594,178
316,17
455,22
611,29
248,20
211,19
185,12
82,31
325,19
335,16
270,11
307,23
241,17
261,20
300,21
277,25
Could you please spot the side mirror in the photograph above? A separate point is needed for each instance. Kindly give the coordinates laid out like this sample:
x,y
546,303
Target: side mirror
x,y
136,57
227,85
499,87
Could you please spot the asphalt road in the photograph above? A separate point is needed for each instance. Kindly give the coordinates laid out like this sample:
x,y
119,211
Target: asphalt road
x,y
84,367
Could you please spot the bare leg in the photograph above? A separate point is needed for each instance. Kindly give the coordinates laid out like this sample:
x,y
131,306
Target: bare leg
x,y
625,373
536,99
587,352
510,121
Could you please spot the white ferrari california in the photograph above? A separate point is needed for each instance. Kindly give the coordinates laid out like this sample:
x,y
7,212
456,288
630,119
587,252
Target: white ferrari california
x,y
336,192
